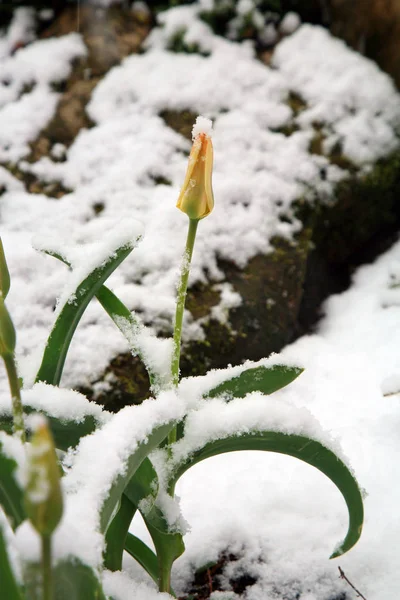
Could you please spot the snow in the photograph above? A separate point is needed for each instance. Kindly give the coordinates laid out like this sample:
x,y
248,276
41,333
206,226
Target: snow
x,y
202,125
9,539
361,117
280,517
86,487
25,87
290,22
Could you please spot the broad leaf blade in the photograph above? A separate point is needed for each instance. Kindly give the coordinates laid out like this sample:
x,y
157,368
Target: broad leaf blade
x,y
11,496
309,451
9,587
55,353
259,379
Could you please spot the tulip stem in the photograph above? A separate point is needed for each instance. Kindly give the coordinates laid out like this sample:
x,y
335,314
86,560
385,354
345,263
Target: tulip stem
x,y
17,409
47,591
180,307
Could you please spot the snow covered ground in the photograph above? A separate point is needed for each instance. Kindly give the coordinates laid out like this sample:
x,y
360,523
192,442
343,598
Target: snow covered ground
x,y
280,517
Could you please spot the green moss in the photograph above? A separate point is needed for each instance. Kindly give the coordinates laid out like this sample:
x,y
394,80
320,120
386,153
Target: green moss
x,y
178,44
127,384
271,290
296,103
363,207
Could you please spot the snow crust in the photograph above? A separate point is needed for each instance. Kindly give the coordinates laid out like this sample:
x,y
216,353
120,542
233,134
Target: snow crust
x,y
25,85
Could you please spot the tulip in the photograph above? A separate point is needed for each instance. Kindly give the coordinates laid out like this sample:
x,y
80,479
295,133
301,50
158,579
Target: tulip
x,y
196,198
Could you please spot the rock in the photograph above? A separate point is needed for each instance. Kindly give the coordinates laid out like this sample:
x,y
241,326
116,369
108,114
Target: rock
x,y
109,35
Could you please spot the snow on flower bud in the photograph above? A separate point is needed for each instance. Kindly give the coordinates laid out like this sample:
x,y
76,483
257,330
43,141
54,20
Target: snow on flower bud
x,y
43,497
196,198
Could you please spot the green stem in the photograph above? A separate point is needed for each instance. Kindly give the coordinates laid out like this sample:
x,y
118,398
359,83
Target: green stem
x,y
46,568
180,307
18,413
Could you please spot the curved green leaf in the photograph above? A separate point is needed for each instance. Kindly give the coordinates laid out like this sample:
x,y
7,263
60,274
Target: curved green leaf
x,y
259,379
169,546
143,484
142,553
56,349
124,319
117,531
66,433
128,324
303,448
73,580
9,587
131,465
11,496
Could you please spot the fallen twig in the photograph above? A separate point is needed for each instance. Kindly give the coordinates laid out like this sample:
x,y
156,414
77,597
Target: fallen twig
x,y
343,576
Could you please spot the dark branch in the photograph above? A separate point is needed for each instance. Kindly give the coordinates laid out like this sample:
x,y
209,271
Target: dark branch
x,y
343,576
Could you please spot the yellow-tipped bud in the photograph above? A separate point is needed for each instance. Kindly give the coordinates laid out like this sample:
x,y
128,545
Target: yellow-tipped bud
x,y
43,497
196,198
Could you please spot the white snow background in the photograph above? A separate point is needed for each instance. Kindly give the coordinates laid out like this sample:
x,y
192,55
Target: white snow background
x,y
280,517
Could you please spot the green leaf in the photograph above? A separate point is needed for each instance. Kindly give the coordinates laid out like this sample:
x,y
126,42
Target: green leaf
x,y
169,546
55,353
303,448
143,484
128,324
124,319
11,496
259,379
9,587
117,531
142,553
73,580
66,433
131,465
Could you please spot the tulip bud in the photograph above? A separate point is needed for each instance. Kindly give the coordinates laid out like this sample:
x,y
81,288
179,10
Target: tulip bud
x,y
43,497
196,198
4,274
7,331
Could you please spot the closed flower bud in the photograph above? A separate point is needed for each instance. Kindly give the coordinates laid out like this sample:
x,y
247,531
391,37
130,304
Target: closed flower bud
x,y
4,274
196,198
7,331
43,497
